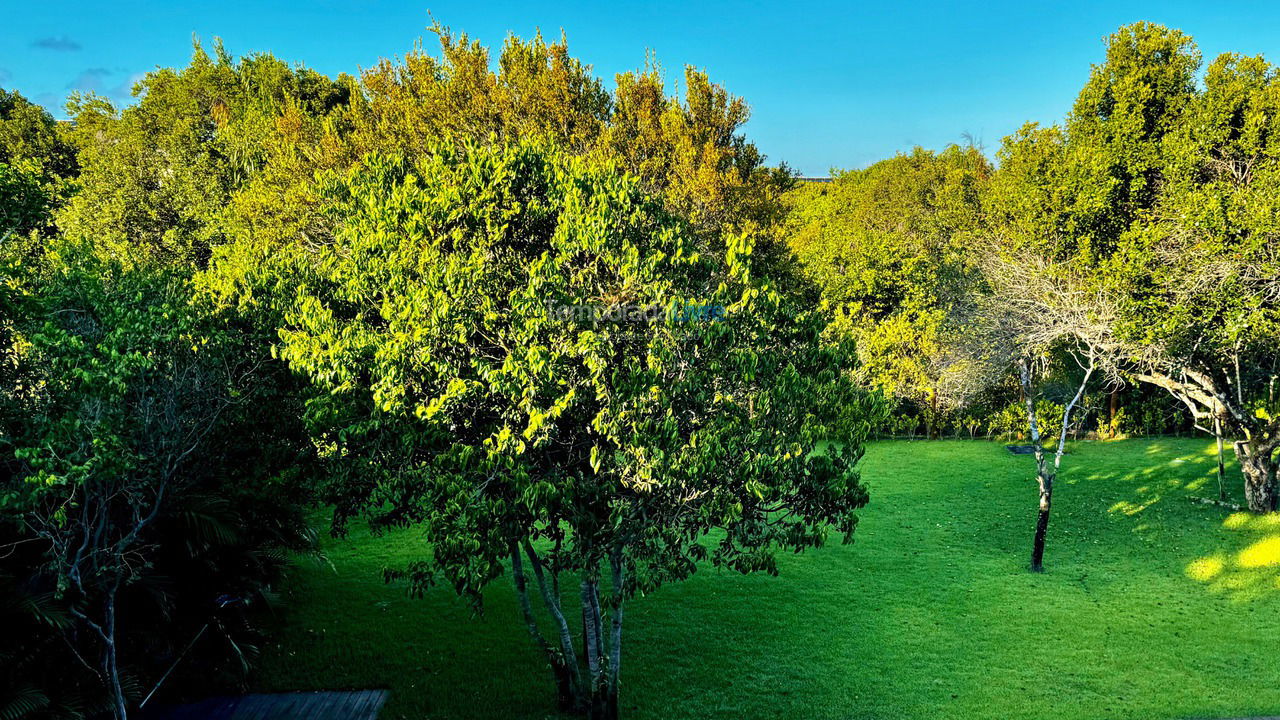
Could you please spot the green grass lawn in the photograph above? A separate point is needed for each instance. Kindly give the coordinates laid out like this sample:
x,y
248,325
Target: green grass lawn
x,y
1151,607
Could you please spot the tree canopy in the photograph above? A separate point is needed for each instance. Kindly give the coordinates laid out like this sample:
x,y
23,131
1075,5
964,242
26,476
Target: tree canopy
x,y
457,394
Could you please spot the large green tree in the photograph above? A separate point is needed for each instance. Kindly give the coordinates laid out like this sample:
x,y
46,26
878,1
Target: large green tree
x,y
688,149
1200,276
531,358
1163,192
892,249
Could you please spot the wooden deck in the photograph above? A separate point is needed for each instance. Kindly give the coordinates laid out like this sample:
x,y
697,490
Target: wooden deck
x,y
354,705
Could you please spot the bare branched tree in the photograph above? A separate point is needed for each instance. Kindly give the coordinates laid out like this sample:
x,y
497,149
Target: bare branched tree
x,y
1033,309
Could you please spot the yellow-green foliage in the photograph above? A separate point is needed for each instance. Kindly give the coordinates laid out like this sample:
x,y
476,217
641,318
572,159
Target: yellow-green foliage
x,y
891,248
451,391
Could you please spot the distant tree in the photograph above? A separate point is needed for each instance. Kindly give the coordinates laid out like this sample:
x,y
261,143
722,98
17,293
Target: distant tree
x,y
454,394
26,201
891,248
36,167
537,90
28,133
157,178
689,150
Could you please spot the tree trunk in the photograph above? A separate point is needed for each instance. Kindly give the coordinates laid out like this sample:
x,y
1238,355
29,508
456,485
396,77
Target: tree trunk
x,y
1045,476
1043,479
112,661
562,675
934,431
604,649
615,636
564,665
567,700
1042,522
1113,403
1259,468
1222,468
591,627
1262,435
586,639
607,707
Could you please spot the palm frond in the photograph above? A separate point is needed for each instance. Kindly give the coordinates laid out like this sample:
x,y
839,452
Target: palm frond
x,y
22,702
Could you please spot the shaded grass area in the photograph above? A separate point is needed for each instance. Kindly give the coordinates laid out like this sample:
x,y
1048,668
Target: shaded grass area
x,y
1151,607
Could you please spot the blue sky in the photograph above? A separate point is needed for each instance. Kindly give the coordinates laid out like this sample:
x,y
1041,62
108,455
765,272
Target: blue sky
x,y
830,84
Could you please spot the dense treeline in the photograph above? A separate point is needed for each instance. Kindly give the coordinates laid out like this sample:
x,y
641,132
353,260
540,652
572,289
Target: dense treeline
x,y
896,249
258,288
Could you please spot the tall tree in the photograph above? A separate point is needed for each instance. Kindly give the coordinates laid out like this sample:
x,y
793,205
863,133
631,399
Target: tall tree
x,y
891,248
1163,193
1201,274
1072,192
462,387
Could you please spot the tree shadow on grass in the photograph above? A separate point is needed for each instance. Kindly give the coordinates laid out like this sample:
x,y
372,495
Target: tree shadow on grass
x,y
1233,554
1161,479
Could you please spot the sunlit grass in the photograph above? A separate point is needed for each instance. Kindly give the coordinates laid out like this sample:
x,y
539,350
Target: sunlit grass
x,y
1152,607
1247,566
